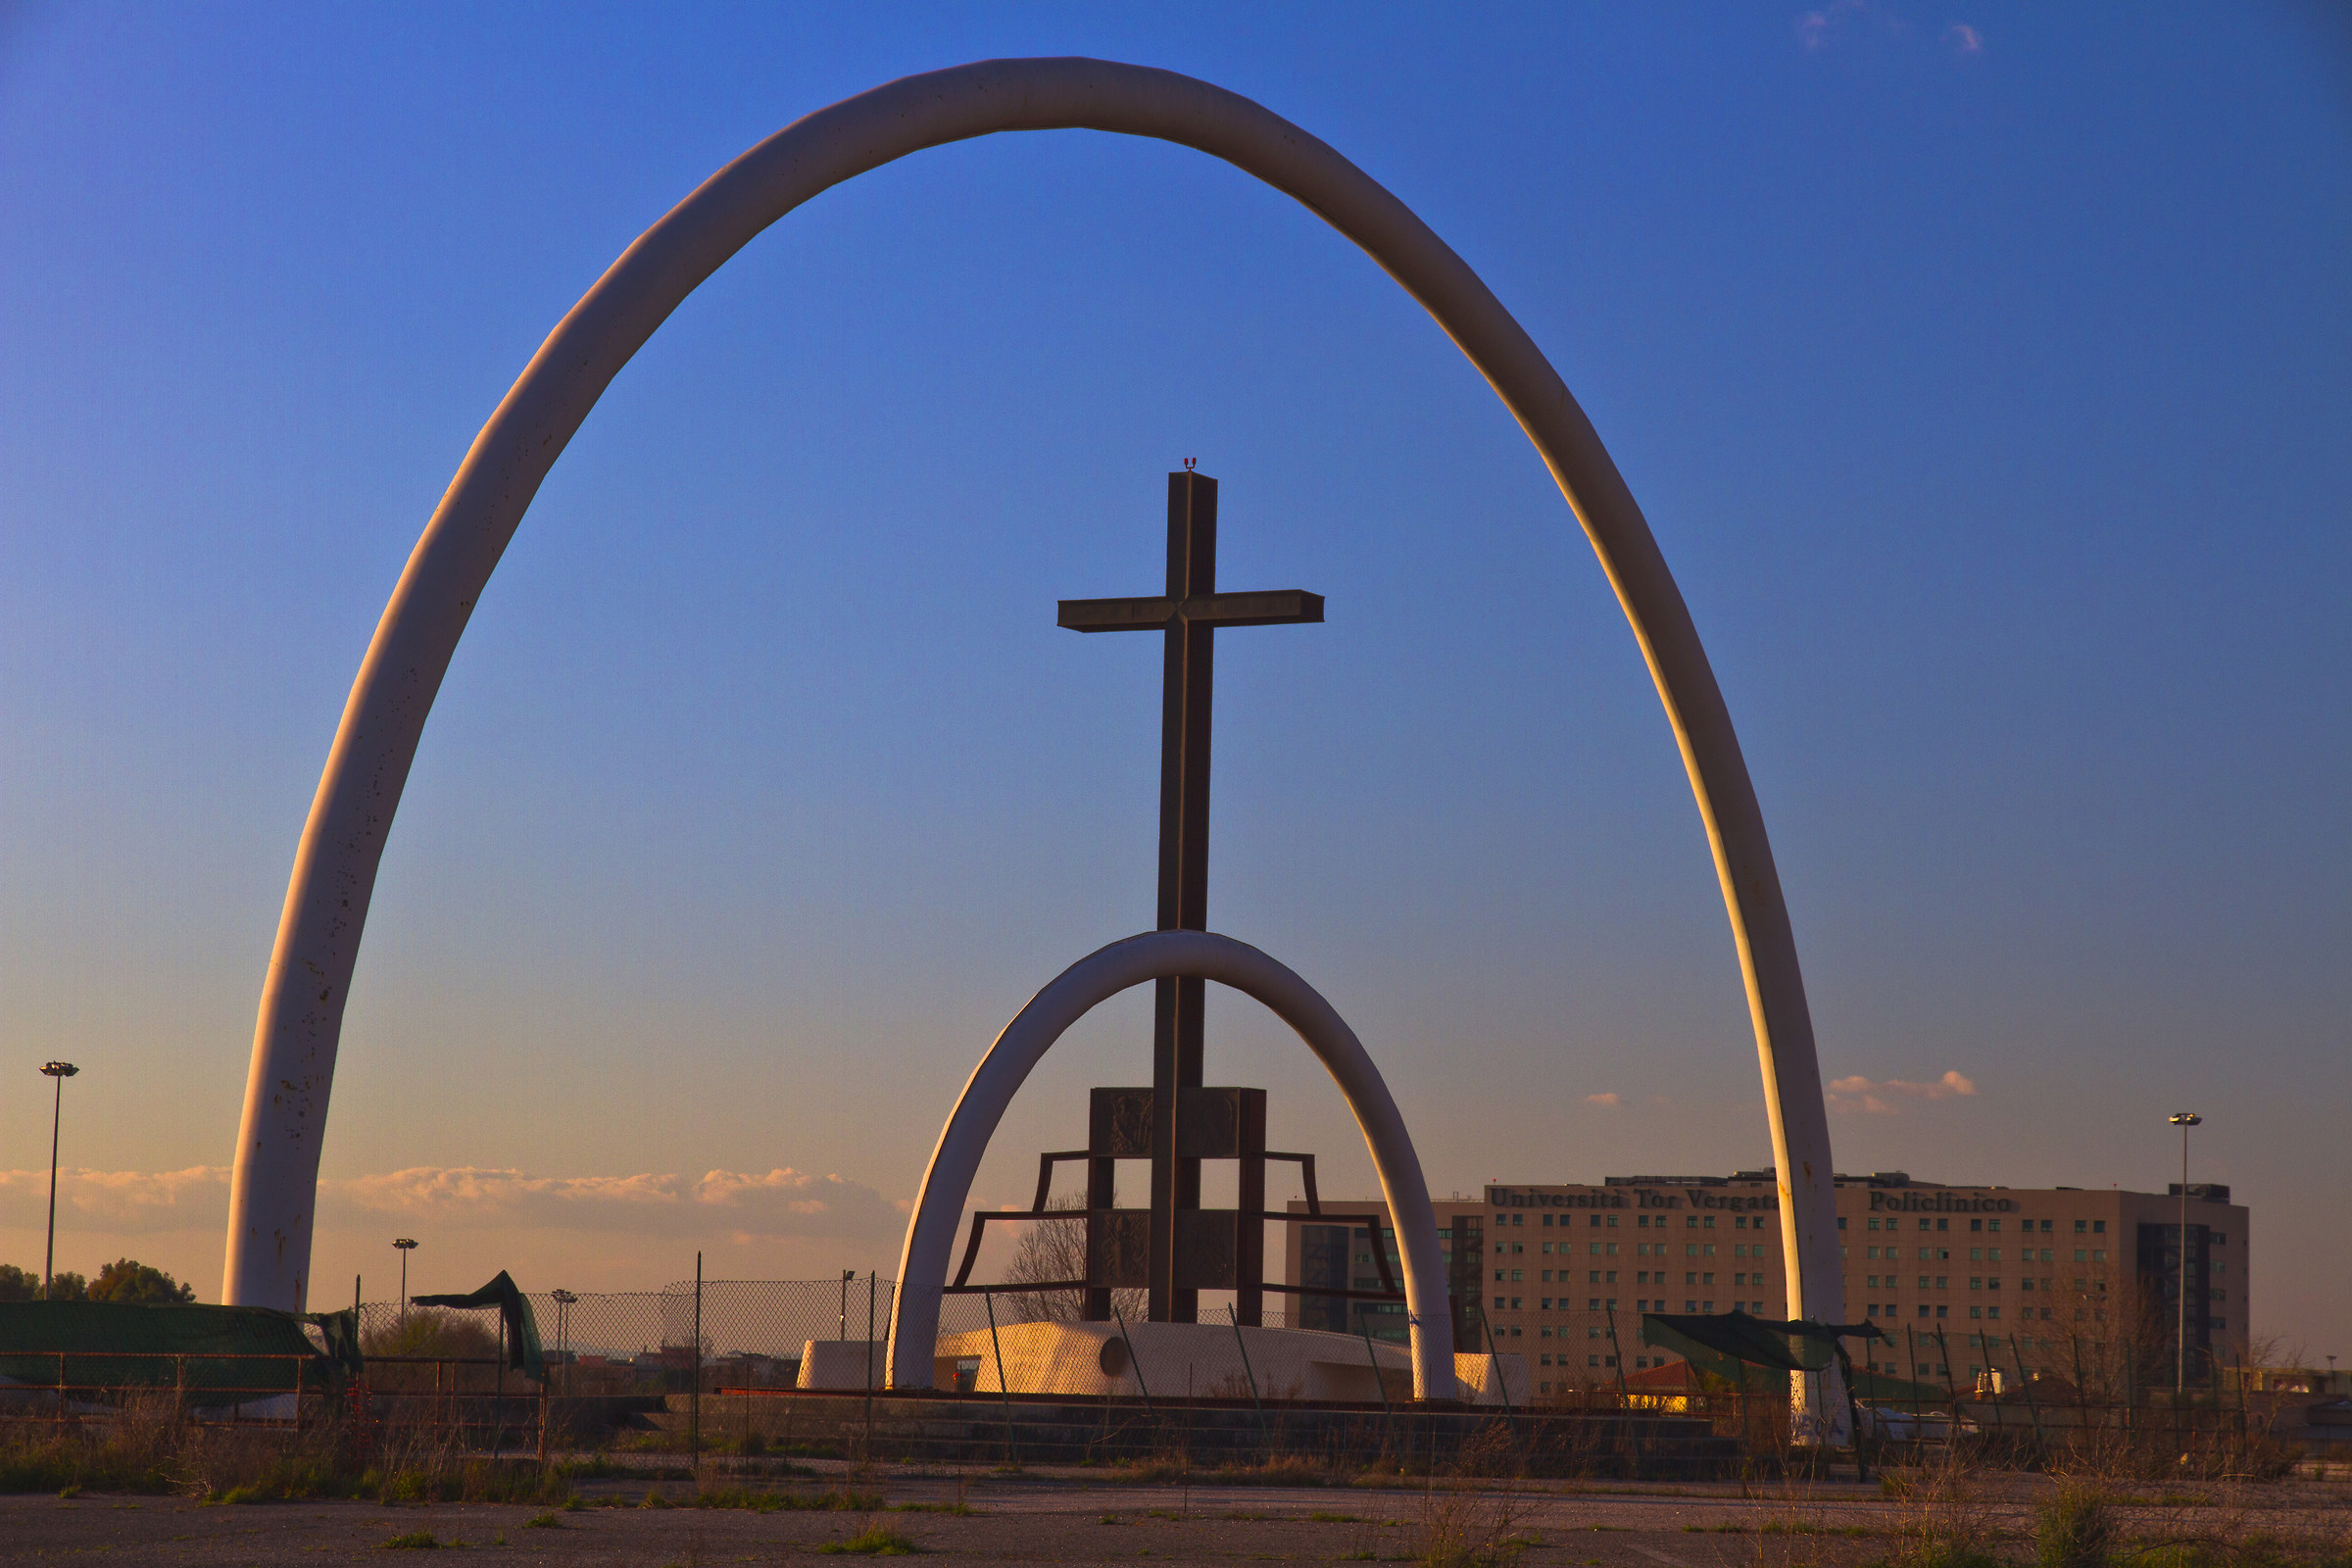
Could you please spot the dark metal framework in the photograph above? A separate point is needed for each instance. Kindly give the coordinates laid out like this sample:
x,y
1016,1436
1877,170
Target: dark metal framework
x,y
1175,1248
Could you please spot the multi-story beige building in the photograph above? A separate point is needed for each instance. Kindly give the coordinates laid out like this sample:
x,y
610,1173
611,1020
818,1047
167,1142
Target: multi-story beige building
x,y
1965,1280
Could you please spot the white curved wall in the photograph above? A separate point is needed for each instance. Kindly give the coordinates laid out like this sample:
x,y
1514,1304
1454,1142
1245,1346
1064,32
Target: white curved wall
x,y
1075,992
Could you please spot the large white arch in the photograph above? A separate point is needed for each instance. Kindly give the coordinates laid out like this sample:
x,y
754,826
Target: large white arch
x,y
273,1184
1083,986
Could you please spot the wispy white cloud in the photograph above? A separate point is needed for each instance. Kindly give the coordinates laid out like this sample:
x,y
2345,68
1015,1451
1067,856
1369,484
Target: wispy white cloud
x,y
1857,20
1816,29
1878,1097
118,1201
742,1204
1612,1102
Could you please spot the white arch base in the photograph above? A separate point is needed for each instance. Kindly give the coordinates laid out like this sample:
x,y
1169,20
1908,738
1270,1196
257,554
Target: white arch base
x,y
1094,979
275,1178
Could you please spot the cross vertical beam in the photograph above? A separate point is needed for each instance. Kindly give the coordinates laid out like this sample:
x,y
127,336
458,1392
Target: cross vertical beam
x,y
1187,695
1187,616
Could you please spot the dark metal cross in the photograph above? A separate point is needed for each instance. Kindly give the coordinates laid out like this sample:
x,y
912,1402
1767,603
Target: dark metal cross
x,y
1189,614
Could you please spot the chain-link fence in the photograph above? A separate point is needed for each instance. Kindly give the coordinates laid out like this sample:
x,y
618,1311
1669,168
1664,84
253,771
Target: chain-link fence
x,y
738,1333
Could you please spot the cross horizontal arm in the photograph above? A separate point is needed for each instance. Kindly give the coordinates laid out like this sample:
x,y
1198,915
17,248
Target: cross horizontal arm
x,y
1280,607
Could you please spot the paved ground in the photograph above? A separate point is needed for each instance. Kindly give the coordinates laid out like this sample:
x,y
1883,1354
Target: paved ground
x,y
1070,1519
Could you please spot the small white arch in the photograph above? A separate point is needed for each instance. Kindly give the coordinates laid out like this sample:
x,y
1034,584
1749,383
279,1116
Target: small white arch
x,y
1078,989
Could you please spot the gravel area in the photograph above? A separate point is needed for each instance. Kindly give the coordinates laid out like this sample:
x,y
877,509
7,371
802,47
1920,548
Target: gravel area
x,y
1079,1519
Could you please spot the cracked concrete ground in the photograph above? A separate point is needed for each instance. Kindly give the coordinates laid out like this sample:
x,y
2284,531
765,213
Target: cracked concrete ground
x,y
1073,1518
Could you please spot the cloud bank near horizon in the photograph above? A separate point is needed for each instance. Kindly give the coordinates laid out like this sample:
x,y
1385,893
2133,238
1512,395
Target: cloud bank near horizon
x,y
1877,1097
748,1204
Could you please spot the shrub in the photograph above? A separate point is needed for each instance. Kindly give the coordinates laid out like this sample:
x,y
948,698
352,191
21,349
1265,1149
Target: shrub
x,y
876,1541
2074,1529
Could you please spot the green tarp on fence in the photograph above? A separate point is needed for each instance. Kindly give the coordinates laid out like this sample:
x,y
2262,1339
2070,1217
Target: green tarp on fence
x,y
112,1344
522,1327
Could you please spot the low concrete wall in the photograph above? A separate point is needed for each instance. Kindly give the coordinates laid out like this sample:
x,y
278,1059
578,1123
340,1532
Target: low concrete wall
x,y
988,1428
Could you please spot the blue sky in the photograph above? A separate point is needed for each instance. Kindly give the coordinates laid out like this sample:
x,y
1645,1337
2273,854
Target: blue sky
x,y
1983,372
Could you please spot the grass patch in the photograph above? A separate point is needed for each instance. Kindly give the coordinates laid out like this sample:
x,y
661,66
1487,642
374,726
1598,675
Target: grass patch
x,y
599,1468
1286,1470
961,1510
549,1520
1780,1527
876,1541
2074,1529
415,1541
1322,1518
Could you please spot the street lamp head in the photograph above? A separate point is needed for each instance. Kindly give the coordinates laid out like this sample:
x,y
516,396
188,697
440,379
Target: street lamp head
x,y
2186,1118
848,1273
59,1069
566,1296
405,1244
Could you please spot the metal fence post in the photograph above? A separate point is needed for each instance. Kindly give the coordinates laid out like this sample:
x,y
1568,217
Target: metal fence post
x,y
1364,1320
1003,1388
694,1394
1248,1371
497,1396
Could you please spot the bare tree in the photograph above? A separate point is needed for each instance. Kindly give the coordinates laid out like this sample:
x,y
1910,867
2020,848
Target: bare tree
x,y
1056,1249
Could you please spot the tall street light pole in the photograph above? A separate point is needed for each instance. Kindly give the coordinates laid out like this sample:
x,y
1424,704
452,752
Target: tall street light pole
x,y
2185,1121
61,1071
406,1246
